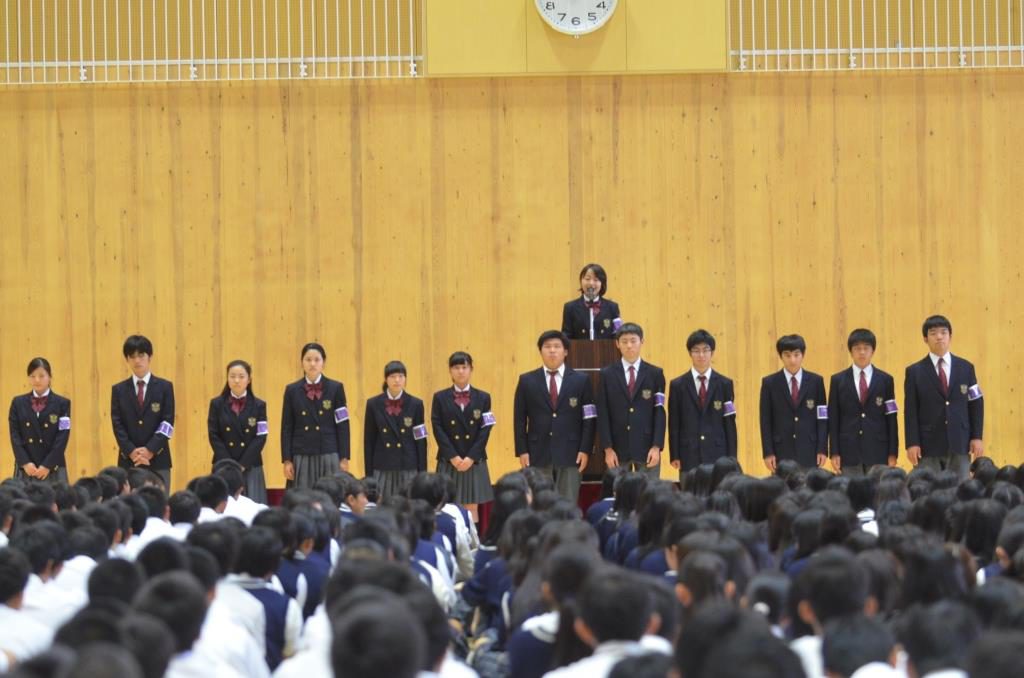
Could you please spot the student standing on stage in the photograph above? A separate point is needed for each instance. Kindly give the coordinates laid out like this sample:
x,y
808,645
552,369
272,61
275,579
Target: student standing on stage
x,y
237,425
394,434
554,417
591,316
314,423
862,428
461,417
631,407
142,413
794,414
945,408
702,409
40,424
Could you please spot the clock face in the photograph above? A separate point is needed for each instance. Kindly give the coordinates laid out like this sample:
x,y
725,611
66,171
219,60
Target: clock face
x,y
576,17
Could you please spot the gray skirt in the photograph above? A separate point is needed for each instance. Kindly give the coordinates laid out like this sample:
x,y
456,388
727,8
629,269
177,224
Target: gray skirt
x,y
58,476
255,484
472,486
310,468
392,483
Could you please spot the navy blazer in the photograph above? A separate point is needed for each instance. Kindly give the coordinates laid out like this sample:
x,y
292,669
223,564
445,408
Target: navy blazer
x,y
631,426
150,426
699,436
943,425
314,426
576,319
43,439
554,436
458,432
866,434
239,436
394,443
798,432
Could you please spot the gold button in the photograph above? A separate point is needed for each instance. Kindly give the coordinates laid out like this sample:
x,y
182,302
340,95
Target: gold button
x,y
796,418
383,430
702,437
317,428
402,431
307,428
388,445
631,409
456,437
227,428
231,444
303,414
551,434
863,415
30,440
29,424
860,432
246,430
627,428
241,444
555,414
140,422
794,435
453,422
946,422
947,403
46,426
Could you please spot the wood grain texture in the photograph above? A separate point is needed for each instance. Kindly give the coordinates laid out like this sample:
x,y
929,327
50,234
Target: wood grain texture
x,y
410,219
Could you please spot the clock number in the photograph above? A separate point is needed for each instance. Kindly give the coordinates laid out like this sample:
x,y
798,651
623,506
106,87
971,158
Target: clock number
x,y
549,6
576,21
601,5
592,16
561,17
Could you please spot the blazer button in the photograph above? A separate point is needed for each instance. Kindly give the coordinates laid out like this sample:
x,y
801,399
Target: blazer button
x,y
627,428
241,444
794,435
231,444
453,422
383,430
303,414
860,432
46,426
796,418
402,431
246,430
387,445
946,422
631,410
551,433
27,423
227,428
555,415
862,415
307,428
702,437
456,437
29,441
317,428
140,422
947,403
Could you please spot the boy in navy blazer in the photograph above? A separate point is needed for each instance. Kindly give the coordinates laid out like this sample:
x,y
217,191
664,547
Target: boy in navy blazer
x,y
554,417
631,407
945,408
794,414
862,427
142,413
702,410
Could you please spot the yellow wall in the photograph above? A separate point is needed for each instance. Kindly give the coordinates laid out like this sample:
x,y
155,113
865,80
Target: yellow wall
x,y
410,219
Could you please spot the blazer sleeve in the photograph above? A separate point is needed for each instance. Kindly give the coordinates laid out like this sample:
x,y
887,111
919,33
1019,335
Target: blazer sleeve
x,y
369,437
60,442
731,440
892,424
767,448
589,425
220,450
833,418
604,427
976,411
17,442
615,310
445,448
519,418
659,412
343,429
483,435
675,421
822,426
287,428
911,403
254,454
124,443
159,440
566,320
419,419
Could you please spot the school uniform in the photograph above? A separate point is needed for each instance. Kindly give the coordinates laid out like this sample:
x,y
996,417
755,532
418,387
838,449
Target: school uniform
x,y
40,428
701,428
314,429
631,412
590,320
394,441
238,430
862,427
554,422
462,422
794,427
943,420
142,415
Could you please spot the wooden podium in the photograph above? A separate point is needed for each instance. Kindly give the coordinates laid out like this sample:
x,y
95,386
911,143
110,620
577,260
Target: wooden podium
x,y
589,357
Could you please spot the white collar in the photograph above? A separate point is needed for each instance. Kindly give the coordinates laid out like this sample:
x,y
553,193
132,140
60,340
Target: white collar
x,y
948,359
44,394
319,377
698,375
232,393
398,397
799,375
560,370
626,365
145,379
458,390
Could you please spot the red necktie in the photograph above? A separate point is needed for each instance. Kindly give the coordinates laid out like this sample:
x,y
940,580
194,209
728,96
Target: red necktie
x,y
863,388
553,389
702,395
314,391
237,404
594,306
393,407
631,386
38,404
794,391
943,382
141,394
462,398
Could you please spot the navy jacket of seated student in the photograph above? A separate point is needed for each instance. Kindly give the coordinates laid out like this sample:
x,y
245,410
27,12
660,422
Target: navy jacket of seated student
x,y
794,428
591,315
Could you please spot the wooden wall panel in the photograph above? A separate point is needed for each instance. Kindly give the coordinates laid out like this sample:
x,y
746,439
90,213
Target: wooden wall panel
x,y
410,219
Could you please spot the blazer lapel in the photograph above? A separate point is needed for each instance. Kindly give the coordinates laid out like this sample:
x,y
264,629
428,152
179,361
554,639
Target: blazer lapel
x,y
561,391
691,388
782,379
933,371
30,415
620,378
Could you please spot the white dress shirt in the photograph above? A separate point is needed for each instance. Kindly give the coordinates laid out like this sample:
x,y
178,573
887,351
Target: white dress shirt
x,y
23,636
789,378
243,508
145,382
73,578
946,362
635,366
707,378
559,373
600,664
868,371
49,605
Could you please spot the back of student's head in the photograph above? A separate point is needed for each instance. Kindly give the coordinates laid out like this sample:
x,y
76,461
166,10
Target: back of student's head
x,y
615,606
41,544
997,654
739,567
752,653
1007,494
505,504
537,480
648,665
14,570
114,579
397,578
88,541
766,595
104,660
230,472
701,577
260,553
280,520
628,489
211,490
378,638
40,494
185,507
162,555
155,499
938,636
697,650
429,487
394,533
139,477
723,467
176,599
519,538
87,626
119,475
832,585
220,539
855,640
109,487
150,642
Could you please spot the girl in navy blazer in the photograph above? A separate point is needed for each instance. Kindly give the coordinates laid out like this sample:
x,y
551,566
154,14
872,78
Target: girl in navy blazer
x,y
394,434
237,425
40,423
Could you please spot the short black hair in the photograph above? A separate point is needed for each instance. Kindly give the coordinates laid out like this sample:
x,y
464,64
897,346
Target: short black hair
x,y
115,579
230,471
104,660
630,328
938,636
89,541
851,642
39,544
36,363
394,367
14,571
699,337
88,626
647,665
203,567
430,487
834,584
150,642
379,638
176,599
117,473
790,342
935,321
260,552
155,500
460,358
219,539
211,490
548,335
161,556
997,655
615,607
137,344
861,336
313,346
599,273
185,507
139,512
40,494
